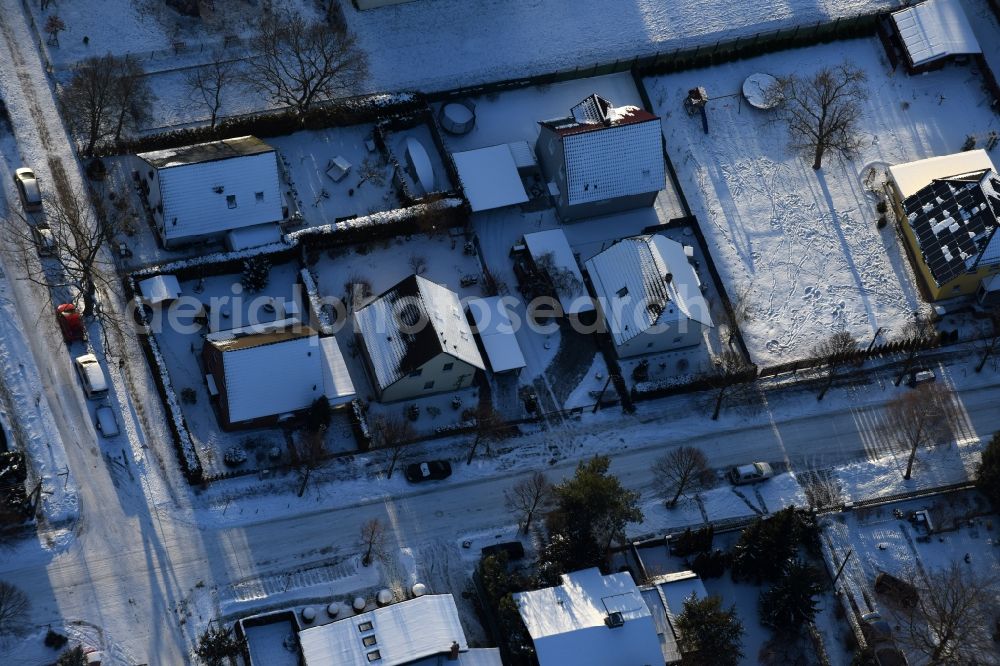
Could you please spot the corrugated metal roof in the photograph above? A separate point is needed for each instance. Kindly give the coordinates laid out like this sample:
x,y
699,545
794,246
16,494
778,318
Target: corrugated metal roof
x,y
216,196
410,324
337,384
935,29
614,162
400,633
629,279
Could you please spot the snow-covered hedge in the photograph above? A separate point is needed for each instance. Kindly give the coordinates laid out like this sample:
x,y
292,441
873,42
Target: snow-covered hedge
x,y
351,111
391,220
182,437
320,316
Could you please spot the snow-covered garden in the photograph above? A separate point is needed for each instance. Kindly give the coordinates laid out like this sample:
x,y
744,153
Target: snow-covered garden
x,y
803,244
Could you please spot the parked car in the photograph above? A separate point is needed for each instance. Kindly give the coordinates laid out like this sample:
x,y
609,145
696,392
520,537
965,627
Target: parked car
x,y
896,589
921,377
70,323
432,470
95,382
514,550
28,190
106,422
45,241
752,473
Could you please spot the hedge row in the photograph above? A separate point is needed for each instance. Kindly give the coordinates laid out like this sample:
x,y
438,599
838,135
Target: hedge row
x,y
350,111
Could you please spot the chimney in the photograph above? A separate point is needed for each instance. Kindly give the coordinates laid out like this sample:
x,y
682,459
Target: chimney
x,y
668,278
453,653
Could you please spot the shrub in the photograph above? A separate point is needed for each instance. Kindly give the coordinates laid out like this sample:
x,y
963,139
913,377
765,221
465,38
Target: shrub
x,y
882,207
55,640
710,565
234,456
688,542
256,273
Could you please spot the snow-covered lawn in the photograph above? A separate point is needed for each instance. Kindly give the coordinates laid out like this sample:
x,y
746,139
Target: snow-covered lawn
x,y
805,242
440,44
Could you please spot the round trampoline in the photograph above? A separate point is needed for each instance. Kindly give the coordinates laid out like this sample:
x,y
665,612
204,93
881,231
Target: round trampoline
x,y
762,91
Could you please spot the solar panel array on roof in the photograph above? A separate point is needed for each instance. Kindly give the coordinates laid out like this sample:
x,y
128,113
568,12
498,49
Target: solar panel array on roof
x,y
954,220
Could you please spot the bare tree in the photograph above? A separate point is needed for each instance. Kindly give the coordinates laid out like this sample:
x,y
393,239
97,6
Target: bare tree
x,y
728,370
206,84
915,335
14,607
678,471
299,63
950,622
990,340
389,436
132,95
82,249
53,26
563,280
372,540
835,352
822,111
103,97
918,418
489,428
742,311
527,497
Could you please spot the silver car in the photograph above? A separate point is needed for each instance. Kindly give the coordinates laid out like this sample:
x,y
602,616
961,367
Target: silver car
x,y
752,473
28,190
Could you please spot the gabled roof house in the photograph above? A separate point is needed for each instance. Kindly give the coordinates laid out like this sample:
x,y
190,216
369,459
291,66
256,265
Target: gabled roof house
x,y
416,341
602,159
950,212
259,373
204,190
650,295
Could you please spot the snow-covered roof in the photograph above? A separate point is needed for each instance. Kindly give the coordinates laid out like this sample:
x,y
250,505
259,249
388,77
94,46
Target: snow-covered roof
x,y
935,29
412,323
913,176
255,236
489,177
337,384
630,280
567,623
610,151
494,328
400,634
212,188
524,156
275,368
571,292
159,288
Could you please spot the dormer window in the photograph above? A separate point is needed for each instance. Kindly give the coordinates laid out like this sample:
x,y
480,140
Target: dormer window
x,y
260,197
231,200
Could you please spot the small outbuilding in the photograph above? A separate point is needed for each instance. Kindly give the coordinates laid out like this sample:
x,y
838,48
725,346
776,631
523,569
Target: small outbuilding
x,y
159,289
933,32
490,177
496,334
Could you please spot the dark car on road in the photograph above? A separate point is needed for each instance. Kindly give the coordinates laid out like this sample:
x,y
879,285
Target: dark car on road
x,y
432,470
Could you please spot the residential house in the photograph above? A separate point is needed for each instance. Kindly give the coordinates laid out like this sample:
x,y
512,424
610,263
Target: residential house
x,y
425,631
205,190
416,341
591,620
602,159
262,372
650,295
950,210
933,33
